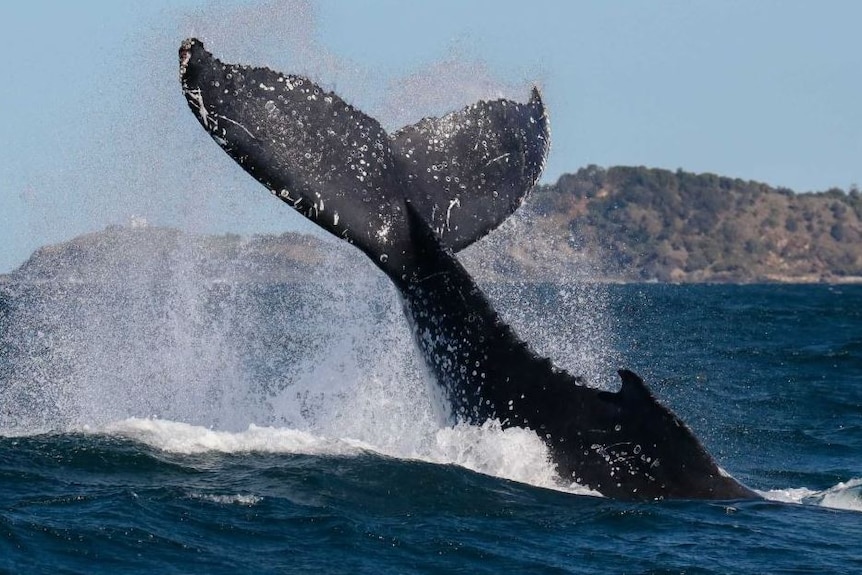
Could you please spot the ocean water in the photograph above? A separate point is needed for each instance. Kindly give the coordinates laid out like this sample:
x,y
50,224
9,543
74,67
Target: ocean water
x,y
181,428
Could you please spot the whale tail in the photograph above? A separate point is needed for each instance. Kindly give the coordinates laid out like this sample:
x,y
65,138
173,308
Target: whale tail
x,y
410,199
464,173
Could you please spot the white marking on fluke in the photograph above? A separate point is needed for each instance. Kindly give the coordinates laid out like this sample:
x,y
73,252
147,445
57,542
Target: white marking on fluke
x,y
197,99
235,123
452,204
498,158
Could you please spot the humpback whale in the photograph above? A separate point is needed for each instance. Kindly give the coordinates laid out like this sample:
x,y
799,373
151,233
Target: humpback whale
x,y
411,199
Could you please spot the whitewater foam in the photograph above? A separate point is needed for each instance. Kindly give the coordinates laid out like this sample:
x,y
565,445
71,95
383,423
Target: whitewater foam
x,y
235,499
514,454
846,495
186,439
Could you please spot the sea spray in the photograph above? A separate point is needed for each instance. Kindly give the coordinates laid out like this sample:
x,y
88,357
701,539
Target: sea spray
x,y
559,307
329,355
87,351
367,383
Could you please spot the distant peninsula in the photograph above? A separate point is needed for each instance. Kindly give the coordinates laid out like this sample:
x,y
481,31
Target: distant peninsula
x,y
619,224
656,224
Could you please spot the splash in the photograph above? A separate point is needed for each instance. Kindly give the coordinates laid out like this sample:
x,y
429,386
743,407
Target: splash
x,y
846,495
441,87
514,454
554,303
124,326
192,343
155,323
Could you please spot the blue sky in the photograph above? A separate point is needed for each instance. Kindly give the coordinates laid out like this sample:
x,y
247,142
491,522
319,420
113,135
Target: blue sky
x,y
95,129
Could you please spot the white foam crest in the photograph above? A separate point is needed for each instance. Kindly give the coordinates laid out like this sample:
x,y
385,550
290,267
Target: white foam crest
x,y
513,453
186,439
846,495
235,499
787,495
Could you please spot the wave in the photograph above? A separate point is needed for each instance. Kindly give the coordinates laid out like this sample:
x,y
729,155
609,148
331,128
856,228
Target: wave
x,y
846,495
511,454
514,454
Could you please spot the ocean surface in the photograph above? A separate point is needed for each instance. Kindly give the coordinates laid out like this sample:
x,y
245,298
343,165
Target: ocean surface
x,y
227,428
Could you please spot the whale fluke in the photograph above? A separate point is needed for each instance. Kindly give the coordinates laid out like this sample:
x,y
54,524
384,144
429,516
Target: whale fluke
x,y
466,172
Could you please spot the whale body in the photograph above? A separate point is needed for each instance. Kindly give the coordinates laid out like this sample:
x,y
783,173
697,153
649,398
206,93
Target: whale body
x,y
409,201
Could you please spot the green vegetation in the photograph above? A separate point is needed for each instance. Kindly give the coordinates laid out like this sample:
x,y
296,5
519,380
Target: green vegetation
x,y
679,226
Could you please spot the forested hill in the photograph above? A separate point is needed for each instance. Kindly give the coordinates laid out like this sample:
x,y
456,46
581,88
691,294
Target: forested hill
x,y
678,226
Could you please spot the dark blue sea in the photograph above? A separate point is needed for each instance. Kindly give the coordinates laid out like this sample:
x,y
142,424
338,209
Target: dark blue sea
x,y
228,428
